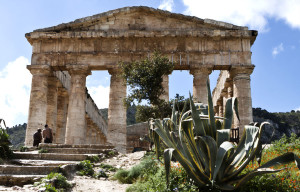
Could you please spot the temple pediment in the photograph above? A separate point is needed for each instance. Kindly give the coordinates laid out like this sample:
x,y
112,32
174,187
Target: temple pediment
x,y
141,22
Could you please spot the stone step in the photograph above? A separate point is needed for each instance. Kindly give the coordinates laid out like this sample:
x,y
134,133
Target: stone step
x,y
20,180
91,146
41,162
51,156
27,170
79,150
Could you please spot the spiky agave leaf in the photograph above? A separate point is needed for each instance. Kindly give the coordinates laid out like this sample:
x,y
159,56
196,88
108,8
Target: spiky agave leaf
x,y
214,161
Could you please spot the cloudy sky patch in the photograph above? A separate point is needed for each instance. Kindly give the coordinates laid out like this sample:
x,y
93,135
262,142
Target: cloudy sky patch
x,y
15,81
167,5
276,50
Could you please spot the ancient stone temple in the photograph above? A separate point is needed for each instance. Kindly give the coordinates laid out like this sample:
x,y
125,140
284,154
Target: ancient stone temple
x,y
64,55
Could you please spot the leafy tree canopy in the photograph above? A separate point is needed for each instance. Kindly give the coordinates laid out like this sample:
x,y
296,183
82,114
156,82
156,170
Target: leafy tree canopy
x,y
144,78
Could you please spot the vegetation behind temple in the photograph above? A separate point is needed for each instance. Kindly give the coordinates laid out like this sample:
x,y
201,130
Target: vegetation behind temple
x,y
284,123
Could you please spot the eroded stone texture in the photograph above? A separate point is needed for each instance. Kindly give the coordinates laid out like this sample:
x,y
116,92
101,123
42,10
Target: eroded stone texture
x,y
38,101
76,124
51,119
116,133
165,85
200,76
242,91
62,110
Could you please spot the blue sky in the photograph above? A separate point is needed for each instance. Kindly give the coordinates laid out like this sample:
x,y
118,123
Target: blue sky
x,y
276,52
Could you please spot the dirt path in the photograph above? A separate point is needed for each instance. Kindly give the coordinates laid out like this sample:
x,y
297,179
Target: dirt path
x,y
83,183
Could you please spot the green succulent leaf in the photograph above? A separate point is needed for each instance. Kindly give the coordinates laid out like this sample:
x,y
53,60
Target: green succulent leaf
x,y
222,136
167,159
198,126
211,112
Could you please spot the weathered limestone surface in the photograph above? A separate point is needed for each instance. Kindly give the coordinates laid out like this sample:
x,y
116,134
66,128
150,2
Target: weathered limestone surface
x,y
99,42
76,124
116,133
52,104
165,85
134,133
38,101
242,91
200,76
62,110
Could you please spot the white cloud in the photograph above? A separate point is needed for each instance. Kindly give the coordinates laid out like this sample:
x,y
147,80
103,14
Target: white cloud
x,y
277,49
297,109
252,13
167,5
15,81
100,95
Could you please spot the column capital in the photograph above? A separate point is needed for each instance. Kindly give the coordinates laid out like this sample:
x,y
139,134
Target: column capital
x,y
241,71
114,71
201,70
79,69
39,69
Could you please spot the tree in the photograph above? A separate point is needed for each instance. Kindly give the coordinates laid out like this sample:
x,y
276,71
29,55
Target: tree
x,y
144,78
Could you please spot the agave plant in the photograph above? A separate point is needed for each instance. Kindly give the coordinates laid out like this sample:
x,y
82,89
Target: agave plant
x,y
201,143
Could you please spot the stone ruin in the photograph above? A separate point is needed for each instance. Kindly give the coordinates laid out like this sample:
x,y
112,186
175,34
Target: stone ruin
x,y
64,55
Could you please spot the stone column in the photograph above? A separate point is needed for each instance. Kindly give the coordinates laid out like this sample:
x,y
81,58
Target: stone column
x,y
62,111
220,107
242,91
116,133
102,139
199,84
52,104
165,85
38,100
76,122
94,135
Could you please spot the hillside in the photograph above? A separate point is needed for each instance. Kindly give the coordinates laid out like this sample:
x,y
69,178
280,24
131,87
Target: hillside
x,y
17,135
284,123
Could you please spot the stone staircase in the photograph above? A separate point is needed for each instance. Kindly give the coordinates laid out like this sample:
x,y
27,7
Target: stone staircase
x,y
28,167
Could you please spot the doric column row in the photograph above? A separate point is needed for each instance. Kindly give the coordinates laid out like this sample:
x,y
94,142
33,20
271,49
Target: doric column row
x,y
65,112
51,104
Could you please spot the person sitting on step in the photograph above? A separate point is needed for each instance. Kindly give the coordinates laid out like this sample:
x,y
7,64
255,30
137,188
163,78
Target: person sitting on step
x,y
37,137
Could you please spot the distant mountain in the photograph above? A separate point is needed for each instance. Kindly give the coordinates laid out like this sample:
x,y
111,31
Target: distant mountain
x,y
17,135
130,114
283,123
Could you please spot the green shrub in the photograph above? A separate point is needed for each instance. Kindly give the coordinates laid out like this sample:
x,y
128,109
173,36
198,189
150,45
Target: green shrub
x,y
5,151
112,153
153,178
122,176
60,181
101,173
23,149
50,188
93,158
266,183
85,168
43,151
108,167
54,182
